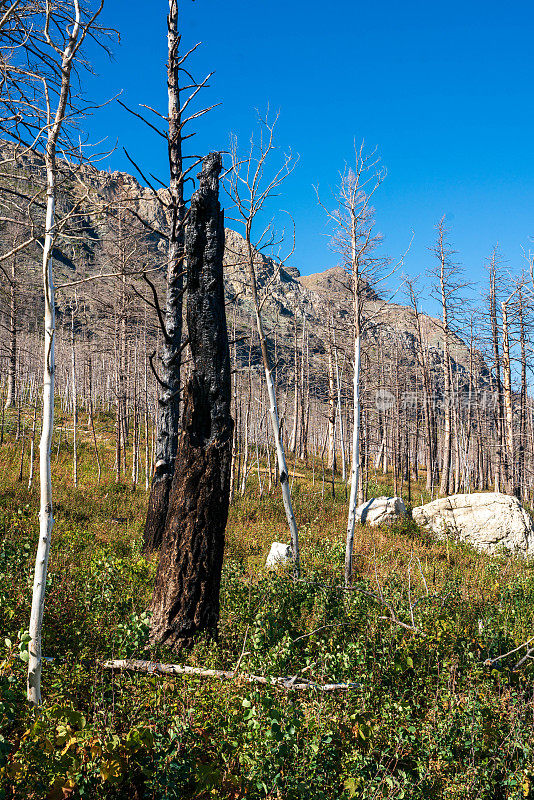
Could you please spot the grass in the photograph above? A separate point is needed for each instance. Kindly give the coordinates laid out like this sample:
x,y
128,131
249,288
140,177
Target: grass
x,y
426,717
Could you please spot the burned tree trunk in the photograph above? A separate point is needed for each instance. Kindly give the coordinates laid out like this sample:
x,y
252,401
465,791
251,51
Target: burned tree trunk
x,y
169,398
186,595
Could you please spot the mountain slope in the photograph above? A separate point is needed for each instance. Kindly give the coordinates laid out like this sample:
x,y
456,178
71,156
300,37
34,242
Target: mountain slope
x,y
120,227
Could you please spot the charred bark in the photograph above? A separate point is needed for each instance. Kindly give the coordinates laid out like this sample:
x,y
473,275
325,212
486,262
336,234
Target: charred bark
x,y
169,398
186,594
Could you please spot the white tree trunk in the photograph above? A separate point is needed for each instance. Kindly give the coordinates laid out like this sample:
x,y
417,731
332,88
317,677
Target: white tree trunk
x,y
508,401
340,413
283,472
332,410
32,443
46,517
147,462
12,364
355,471
74,391
294,430
273,411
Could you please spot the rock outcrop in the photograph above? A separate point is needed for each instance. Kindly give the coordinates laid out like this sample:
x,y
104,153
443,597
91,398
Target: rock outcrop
x,y
489,521
380,511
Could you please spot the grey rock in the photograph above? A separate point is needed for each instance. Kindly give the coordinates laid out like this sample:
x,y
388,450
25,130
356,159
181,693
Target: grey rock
x,y
279,554
489,521
380,511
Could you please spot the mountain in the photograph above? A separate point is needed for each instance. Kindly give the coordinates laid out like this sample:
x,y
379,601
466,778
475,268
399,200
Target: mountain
x,y
116,221
389,328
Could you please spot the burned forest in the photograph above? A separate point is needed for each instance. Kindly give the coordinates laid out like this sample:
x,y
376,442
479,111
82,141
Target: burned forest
x,y
266,404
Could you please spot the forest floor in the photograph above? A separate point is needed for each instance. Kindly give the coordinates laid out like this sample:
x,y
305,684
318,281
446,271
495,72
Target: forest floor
x,y
425,717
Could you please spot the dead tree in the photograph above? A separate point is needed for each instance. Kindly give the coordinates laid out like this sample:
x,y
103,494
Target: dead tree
x,y
443,274
12,364
332,410
169,398
426,379
508,421
522,449
502,466
186,594
250,188
65,28
447,290
355,239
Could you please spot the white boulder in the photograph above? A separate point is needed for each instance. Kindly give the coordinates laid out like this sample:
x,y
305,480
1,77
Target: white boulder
x,y
380,511
279,554
487,520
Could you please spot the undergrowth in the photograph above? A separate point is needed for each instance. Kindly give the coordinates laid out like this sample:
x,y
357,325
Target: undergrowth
x,y
425,716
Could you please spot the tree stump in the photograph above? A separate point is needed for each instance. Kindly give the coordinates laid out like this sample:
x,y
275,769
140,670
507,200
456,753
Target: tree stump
x,y
186,594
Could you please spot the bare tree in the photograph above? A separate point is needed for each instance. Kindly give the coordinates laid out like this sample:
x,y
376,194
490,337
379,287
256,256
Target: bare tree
x,y
55,51
169,396
355,239
250,187
507,392
502,469
447,290
13,303
428,406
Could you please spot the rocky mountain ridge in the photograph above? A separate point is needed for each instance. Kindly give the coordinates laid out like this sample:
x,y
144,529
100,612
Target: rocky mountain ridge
x,y
294,300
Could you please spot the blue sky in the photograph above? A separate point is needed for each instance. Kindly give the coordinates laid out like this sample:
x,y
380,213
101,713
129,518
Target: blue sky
x,y
444,91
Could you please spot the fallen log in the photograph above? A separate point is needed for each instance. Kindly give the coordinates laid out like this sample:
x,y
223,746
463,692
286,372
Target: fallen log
x,y
156,668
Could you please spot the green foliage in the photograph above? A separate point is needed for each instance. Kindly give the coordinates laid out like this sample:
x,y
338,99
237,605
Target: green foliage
x,y
424,717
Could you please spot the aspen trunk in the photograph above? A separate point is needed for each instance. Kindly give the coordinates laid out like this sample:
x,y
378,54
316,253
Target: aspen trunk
x,y
331,406
428,410
46,516
22,451
3,420
244,474
12,363
304,394
355,469
447,398
32,442
340,413
273,411
294,430
91,420
74,402
235,437
521,463
501,470
507,397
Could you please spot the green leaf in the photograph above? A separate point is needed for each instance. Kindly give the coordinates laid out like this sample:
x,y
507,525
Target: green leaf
x,y
111,770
